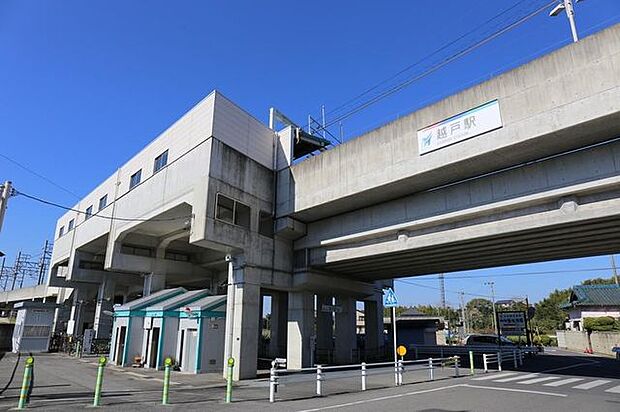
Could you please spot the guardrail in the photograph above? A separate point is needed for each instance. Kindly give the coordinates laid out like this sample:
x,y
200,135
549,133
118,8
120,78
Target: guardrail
x,y
445,350
516,355
361,370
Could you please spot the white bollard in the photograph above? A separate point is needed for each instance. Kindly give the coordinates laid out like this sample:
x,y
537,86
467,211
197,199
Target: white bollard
x,y
514,357
319,379
456,366
520,356
499,361
430,369
272,384
363,376
484,360
400,372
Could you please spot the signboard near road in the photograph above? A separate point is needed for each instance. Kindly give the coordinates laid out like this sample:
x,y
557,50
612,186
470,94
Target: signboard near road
x,y
512,322
389,298
471,123
331,308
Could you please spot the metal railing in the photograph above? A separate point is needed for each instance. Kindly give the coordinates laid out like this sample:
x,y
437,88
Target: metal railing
x,y
362,370
516,355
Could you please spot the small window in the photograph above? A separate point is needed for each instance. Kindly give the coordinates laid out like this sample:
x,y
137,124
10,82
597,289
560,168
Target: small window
x,y
61,231
224,208
89,212
71,224
103,202
265,224
135,179
242,215
160,162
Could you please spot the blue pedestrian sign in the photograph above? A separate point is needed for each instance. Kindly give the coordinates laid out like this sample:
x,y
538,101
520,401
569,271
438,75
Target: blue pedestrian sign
x,y
389,298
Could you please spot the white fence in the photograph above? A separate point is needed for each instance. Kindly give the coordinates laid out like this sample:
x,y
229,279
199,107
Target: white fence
x,y
362,371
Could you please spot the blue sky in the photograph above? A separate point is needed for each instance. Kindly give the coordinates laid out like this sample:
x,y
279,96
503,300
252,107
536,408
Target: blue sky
x,y
85,85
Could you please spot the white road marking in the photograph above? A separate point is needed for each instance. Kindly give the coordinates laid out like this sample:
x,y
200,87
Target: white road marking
x,y
615,389
137,375
382,398
518,378
493,388
563,382
590,385
538,380
494,376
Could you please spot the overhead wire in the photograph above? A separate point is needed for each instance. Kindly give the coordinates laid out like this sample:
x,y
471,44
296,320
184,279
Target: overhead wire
x,y
437,66
423,59
123,219
40,176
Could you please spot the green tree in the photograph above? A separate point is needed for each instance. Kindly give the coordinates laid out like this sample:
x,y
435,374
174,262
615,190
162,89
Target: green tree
x,y
598,281
480,315
549,315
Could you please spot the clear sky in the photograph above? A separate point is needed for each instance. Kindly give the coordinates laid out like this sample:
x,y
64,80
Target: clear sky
x,y
85,85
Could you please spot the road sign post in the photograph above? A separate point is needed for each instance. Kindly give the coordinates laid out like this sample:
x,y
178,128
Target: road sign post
x,y
391,301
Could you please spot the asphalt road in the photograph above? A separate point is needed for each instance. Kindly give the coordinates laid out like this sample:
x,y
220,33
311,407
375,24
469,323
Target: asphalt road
x,y
555,381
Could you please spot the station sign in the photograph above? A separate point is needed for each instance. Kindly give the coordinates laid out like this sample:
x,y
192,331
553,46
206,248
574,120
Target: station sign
x,y
512,321
463,126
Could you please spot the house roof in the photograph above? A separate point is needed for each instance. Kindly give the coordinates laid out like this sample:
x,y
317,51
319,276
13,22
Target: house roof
x,y
150,299
594,295
179,300
216,302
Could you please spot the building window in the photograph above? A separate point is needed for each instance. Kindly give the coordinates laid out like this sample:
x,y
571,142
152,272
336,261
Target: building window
x,y
178,256
71,224
137,250
61,231
242,215
160,162
103,202
134,180
232,211
224,209
89,212
265,224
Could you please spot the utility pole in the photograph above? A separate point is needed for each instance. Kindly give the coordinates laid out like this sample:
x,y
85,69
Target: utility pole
x,y
492,284
5,193
442,290
613,267
463,318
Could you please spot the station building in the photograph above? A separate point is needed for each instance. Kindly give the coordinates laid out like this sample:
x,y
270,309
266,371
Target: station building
x,y
195,209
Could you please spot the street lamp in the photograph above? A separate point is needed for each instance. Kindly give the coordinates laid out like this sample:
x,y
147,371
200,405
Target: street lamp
x,y
567,6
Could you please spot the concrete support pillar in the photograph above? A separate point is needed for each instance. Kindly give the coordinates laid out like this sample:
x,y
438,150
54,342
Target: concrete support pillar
x,y
279,319
346,339
105,302
242,319
74,326
373,325
153,282
300,329
324,326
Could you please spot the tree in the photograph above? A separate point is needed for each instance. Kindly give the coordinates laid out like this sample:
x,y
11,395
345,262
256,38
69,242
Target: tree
x,y
480,315
549,315
598,281
601,324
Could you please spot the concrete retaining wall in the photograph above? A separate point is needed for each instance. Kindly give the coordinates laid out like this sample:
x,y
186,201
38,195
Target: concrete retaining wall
x,y
602,342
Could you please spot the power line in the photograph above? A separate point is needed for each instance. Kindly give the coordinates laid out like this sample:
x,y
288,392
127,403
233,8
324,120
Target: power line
x,y
436,67
40,176
547,272
428,56
408,282
123,219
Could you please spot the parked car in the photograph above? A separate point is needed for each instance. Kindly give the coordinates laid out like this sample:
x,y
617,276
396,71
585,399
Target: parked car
x,y
487,340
